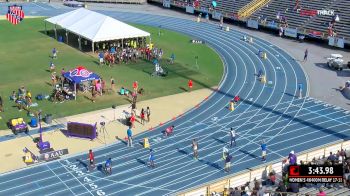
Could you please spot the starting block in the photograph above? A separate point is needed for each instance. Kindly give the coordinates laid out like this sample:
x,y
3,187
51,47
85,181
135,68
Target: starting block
x,y
227,28
146,143
231,106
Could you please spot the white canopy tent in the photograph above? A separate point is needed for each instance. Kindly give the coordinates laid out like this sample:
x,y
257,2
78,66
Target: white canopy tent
x,y
94,26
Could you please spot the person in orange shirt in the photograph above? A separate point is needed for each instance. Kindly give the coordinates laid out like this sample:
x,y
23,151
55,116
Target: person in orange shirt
x,y
132,120
190,84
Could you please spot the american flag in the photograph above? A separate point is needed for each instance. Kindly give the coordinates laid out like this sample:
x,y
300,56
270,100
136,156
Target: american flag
x,y
15,14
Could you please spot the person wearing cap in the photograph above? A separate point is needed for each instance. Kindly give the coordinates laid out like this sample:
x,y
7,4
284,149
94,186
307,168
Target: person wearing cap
x,y
292,158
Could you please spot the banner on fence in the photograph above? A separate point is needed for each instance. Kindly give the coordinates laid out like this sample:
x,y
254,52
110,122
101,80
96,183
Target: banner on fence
x,y
190,9
216,15
272,25
336,42
291,32
252,24
166,3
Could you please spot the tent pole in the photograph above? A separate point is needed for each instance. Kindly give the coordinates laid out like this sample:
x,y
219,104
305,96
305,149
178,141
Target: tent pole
x,y
79,43
122,43
75,90
93,47
55,32
67,36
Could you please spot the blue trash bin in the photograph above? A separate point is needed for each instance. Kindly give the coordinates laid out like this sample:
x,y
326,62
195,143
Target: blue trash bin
x,y
60,39
33,122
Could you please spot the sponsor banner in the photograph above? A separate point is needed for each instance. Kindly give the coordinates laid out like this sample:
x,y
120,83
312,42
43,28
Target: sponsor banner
x,y
253,24
216,15
291,32
166,3
272,25
190,9
316,34
336,42
52,155
204,10
305,12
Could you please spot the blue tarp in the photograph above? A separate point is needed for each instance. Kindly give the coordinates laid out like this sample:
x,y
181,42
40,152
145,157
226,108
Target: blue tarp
x,y
80,74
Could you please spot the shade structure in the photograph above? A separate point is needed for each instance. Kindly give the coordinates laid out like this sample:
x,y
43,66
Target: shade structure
x,y
95,27
80,74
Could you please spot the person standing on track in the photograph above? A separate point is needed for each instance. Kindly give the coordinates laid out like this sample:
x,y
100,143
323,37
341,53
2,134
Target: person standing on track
x,y
151,158
228,163
91,160
129,133
108,166
233,137
195,148
263,150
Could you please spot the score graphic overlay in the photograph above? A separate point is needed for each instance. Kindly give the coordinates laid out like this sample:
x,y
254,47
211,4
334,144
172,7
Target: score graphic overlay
x,y
315,174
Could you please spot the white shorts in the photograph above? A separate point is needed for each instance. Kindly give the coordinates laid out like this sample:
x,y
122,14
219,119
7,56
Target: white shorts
x,y
263,153
101,60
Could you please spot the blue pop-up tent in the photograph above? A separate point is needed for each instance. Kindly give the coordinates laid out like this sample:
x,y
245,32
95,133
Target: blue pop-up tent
x,y
79,75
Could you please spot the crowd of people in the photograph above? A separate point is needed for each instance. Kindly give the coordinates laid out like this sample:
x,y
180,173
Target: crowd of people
x,y
130,52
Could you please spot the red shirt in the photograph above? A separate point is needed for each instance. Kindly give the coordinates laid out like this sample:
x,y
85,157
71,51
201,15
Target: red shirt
x,y
132,119
142,115
91,156
190,83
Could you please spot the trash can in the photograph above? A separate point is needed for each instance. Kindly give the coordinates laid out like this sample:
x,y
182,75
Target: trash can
x,y
60,39
33,122
48,119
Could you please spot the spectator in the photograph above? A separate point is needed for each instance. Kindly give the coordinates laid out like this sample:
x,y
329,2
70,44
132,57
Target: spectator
x,y
243,191
321,193
236,192
332,157
281,188
293,187
272,178
292,158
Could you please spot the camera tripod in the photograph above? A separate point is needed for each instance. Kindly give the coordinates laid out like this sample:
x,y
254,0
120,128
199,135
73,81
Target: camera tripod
x,y
104,131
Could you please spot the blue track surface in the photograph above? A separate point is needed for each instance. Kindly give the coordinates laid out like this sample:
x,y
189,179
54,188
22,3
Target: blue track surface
x,y
274,114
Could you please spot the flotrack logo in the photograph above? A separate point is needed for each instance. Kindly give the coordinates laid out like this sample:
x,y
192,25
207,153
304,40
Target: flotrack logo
x,y
304,12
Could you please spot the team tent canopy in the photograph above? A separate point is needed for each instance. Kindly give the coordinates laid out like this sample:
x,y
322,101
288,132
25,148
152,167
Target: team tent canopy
x,y
79,75
94,26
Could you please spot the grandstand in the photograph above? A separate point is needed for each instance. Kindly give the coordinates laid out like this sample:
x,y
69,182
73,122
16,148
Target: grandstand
x,y
300,14
342,27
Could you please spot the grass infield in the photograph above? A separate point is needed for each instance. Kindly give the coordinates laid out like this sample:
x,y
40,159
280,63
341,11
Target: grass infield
x,y
25,56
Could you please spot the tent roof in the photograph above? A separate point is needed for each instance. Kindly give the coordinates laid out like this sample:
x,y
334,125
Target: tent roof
x,y
95,26
80,74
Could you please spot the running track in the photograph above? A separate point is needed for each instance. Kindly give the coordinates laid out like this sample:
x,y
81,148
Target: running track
x,y
270,112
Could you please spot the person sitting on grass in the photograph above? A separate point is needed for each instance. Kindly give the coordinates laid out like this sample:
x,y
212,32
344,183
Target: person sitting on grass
x,y
122,91
13,97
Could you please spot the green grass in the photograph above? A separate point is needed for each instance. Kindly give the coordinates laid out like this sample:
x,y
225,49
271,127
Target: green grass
x,y
24,60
